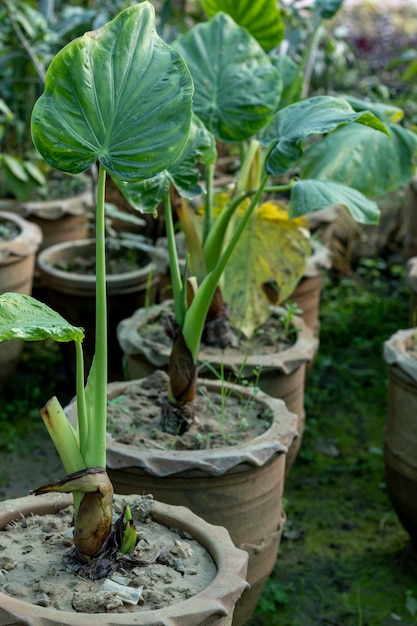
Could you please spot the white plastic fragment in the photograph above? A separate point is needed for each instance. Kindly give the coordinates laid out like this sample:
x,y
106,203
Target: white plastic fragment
x,y
128,595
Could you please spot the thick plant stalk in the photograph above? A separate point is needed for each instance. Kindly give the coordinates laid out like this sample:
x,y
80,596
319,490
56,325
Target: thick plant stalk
x,y
94,516
179,411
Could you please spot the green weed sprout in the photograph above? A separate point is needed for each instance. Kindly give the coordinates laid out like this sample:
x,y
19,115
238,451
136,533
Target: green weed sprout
x,y
119,98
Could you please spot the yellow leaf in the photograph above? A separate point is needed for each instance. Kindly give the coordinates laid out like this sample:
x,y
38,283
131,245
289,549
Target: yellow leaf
x,y
272,250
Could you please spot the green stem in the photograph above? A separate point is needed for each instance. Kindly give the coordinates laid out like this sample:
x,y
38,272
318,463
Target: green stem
x,y
309,57
248,178
196,314
176,280
214,243
208,202
95,454
81,403
278,188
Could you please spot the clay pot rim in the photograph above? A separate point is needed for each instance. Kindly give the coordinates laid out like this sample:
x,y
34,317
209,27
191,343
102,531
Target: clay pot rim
x,y
396,353
87,280
25,244
286,361
52,210
218,599
215,462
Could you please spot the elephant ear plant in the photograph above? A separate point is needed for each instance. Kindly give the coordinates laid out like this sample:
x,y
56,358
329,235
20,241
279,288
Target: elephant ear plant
x,y
119,98
237,93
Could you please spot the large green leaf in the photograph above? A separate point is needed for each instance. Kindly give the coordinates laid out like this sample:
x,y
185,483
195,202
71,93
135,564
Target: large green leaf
x,y
291,126
183,174
119,95
386,112
292,78
272,248
236,86
23,317
262,18
364,159
311,195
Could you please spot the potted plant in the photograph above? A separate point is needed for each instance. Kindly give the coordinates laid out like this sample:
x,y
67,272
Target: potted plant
x,y
282,134
94,86
67,270
400,428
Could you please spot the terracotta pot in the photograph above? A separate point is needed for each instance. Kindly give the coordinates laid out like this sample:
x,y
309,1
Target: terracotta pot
x,y
73,295
282,374
307,294
63,219
239,487
400,435
17,262
211,607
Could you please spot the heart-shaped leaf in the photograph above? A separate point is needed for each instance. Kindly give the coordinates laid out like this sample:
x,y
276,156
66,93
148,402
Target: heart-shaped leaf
x,y
291,126
364,159
119,95
262,18
311,195
23,317
236,86
271,249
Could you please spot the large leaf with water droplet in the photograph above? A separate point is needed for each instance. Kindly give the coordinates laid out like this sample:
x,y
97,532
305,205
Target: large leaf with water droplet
x,y
311,195
262,18
293,125
236,86
363,158
273,250
23,317
119,95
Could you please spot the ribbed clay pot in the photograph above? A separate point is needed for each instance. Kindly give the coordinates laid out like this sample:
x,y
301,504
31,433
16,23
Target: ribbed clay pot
x,y
400,434
282,373
239,487
17,262
73,295
213,606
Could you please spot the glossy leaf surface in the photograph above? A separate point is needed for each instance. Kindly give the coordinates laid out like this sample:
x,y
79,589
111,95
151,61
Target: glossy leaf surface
x,y
119,95
291,126
23,317
236,86
363,158
262,18
311,195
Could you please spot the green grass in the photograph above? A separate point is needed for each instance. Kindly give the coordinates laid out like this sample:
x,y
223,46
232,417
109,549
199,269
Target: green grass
x,y
343,559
